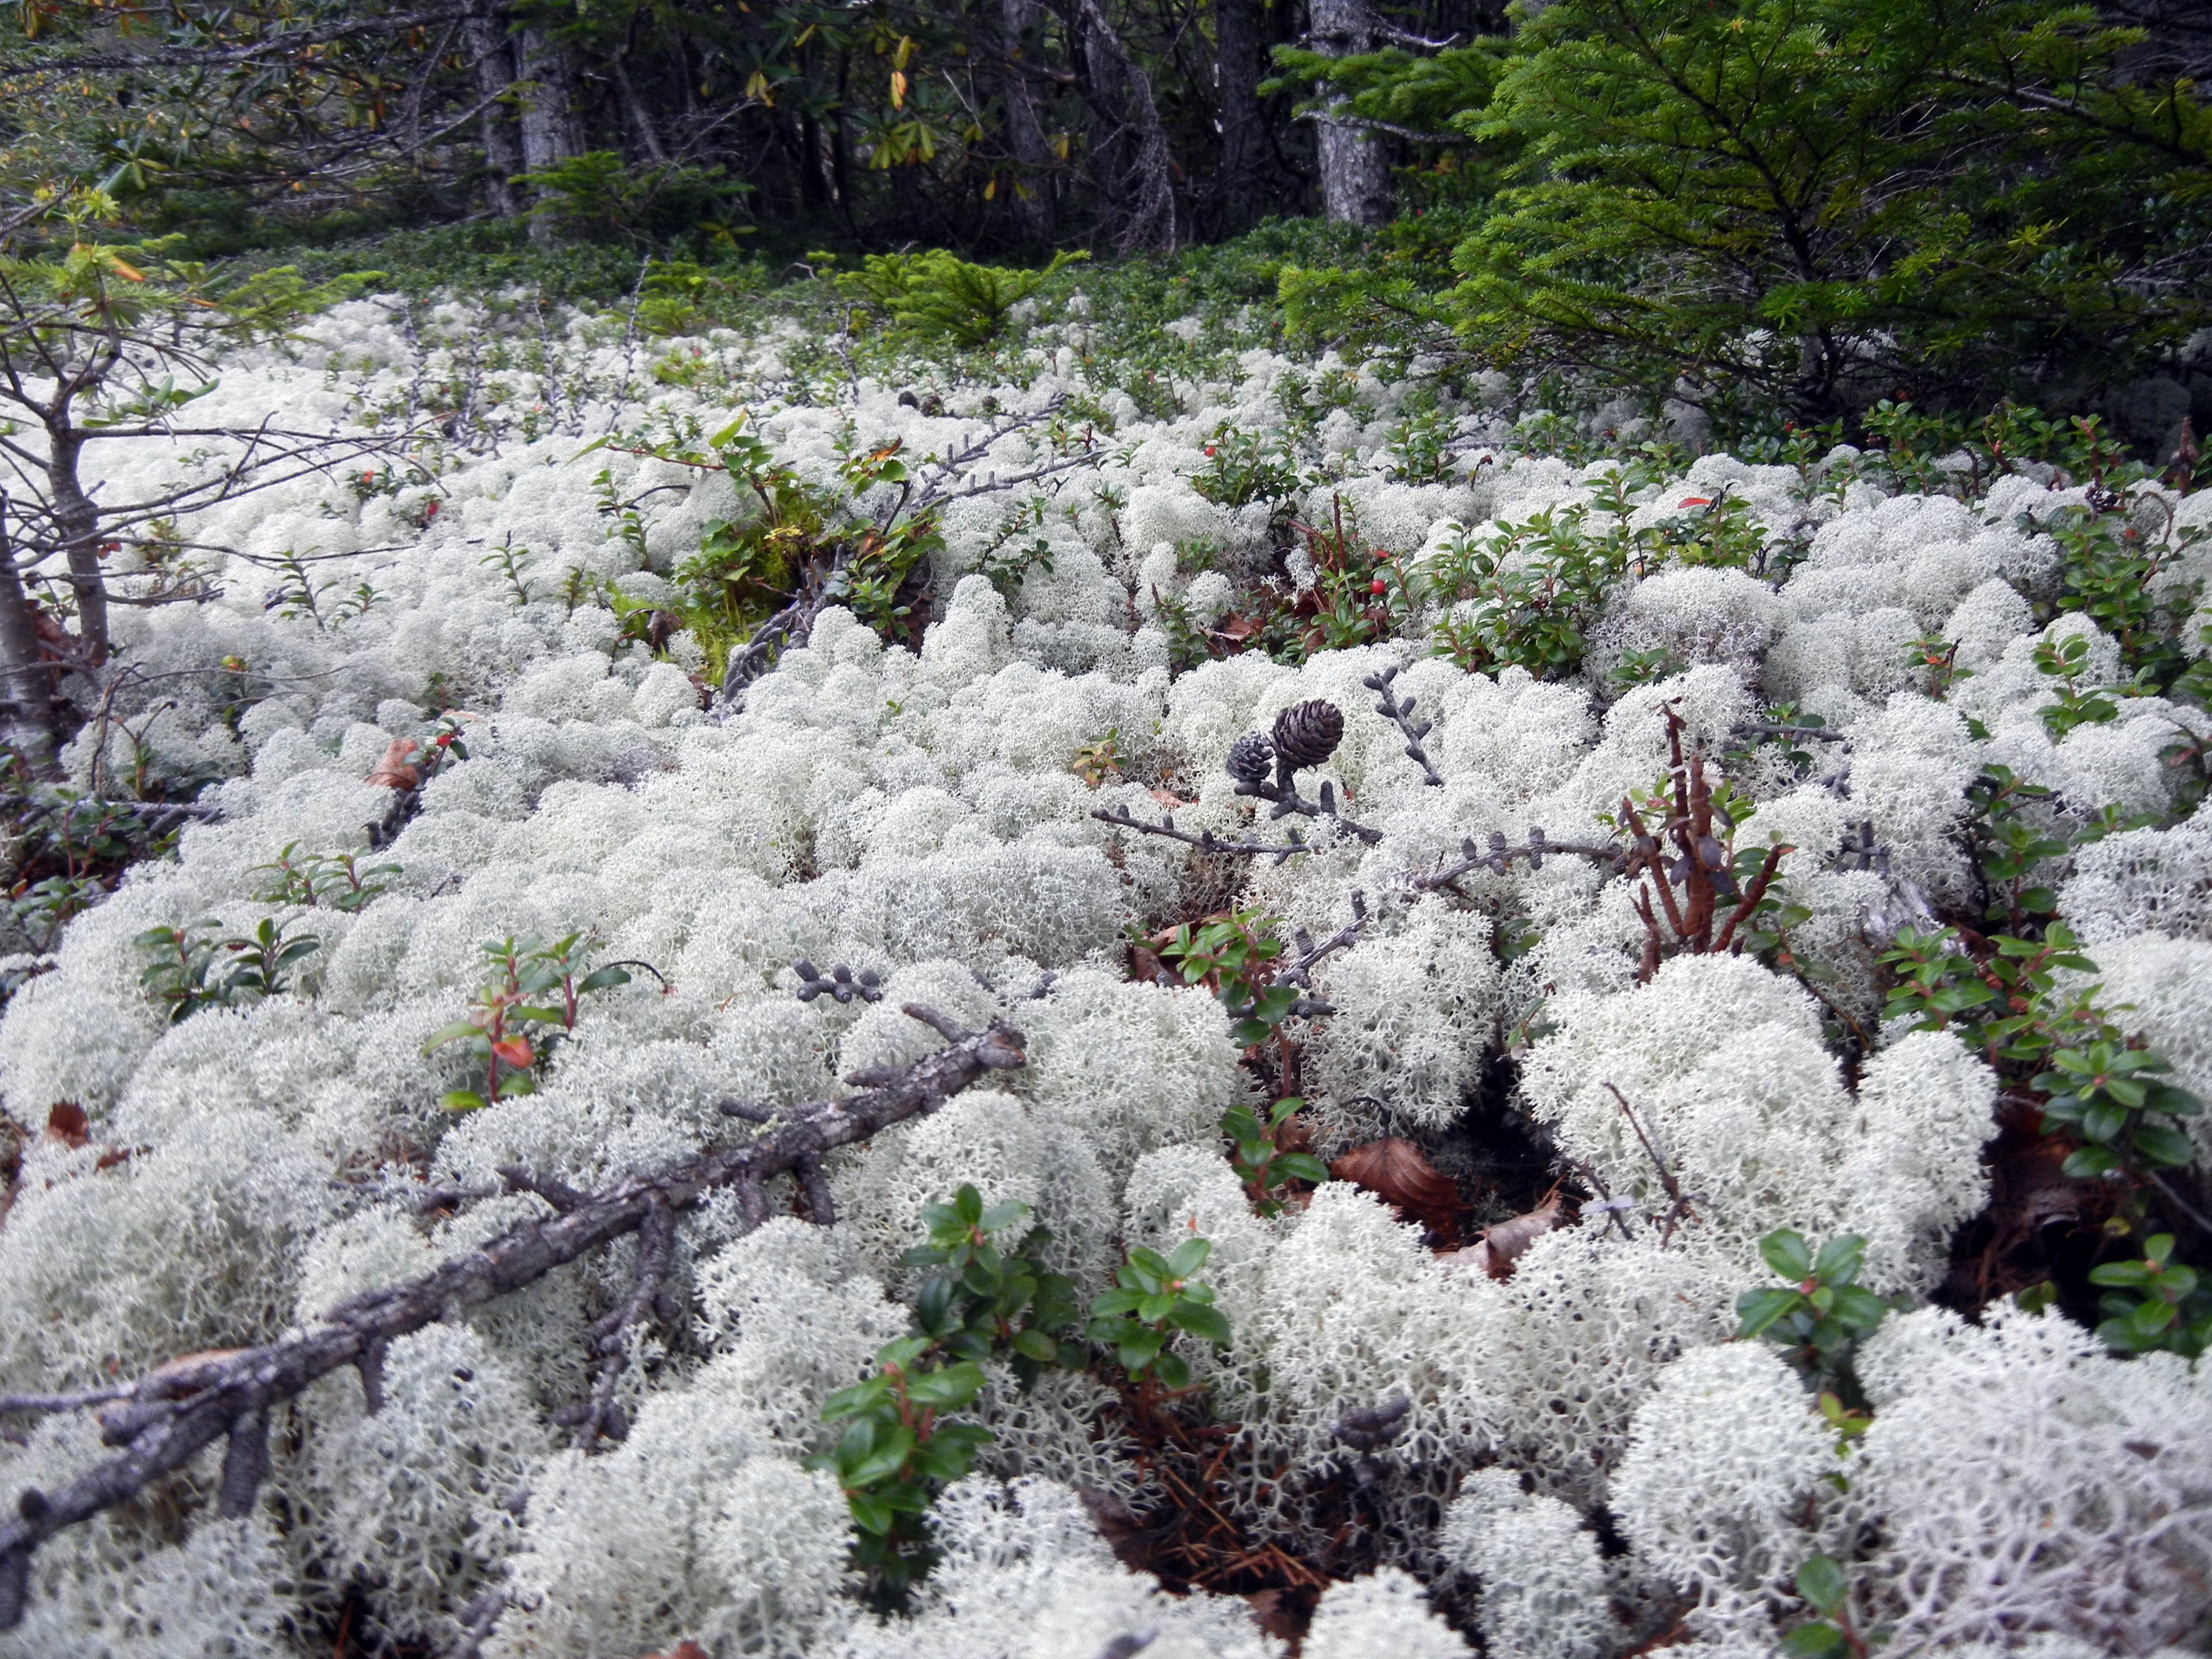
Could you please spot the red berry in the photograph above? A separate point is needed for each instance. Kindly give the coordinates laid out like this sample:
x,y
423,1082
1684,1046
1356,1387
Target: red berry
x,y
1378,586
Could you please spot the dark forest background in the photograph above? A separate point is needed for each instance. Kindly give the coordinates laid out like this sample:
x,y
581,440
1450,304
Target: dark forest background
x,y
1806,206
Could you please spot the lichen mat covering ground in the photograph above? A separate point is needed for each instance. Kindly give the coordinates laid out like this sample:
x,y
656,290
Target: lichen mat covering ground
x,y
1551,1440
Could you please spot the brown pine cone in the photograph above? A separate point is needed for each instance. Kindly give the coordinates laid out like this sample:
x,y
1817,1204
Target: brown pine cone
x,y
1307,733
1251,759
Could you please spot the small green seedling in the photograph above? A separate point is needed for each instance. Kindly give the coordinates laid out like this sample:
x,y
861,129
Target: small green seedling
x,y
1257,1154
1156,1297
2155,1302
1820,1317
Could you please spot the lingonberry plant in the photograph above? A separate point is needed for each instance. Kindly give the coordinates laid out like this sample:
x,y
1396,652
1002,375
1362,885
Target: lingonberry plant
x,y
521,1013
197,966
1822,1315
1234,956
2154,1302
1154,1297
1262,1161
985,1298
332,881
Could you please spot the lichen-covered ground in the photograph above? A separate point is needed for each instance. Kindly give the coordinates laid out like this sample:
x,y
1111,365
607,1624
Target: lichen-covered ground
x,y
1590,1459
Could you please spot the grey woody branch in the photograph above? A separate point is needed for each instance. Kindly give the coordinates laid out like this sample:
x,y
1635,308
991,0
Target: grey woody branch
x,y
1400,714
1206,841
1498,856
168,1417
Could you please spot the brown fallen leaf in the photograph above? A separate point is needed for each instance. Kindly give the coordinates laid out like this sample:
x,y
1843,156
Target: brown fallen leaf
x,y
1276,1614
1167,798
1144,965
1394,1169
686,1649
67,1124
393,771
1501,1246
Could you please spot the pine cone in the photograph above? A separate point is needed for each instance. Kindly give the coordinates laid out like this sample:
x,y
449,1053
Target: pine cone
x,y
1307,733
1251,757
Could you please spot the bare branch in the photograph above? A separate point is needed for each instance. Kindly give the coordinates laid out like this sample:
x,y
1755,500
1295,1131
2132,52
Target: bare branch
x,y
172,1414
279,44
1206,841
1499,857
1400,714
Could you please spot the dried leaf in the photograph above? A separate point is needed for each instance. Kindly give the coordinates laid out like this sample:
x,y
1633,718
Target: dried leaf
x,y
1276,1614
393,772
1144,965
1239,627
1169,799
1394,1169
1501,1246
686,1649
67,1124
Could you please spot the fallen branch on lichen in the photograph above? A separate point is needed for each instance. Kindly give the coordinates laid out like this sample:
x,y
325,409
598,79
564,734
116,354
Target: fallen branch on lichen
x,y
167,1417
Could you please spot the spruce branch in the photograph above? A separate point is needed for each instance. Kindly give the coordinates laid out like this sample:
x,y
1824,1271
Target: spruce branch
x,y
172,1413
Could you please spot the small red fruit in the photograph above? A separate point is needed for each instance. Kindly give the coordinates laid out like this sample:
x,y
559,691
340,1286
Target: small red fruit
x,y
1378,586
1696,501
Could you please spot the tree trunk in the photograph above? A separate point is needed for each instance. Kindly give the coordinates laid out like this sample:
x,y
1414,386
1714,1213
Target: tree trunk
x,y
1032,202
27,727
549,122
1355,161
78,521
494,71
1129,146
641,119
1237,90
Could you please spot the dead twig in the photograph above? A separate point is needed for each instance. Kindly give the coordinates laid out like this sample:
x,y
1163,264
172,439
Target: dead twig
x,y
1499,857
1680,1202
1400,714
167,1417
1206,841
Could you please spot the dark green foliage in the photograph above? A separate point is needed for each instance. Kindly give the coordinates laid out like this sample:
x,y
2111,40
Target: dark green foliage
x,y
1823,1585
198,966
334,881
1245,464
596,197
1536,587
1154,1297
1236,957
986,1297
938,295
1819,200
1822,1315
2110,572
519,1015
2154,1302
2099,1090
1258,1154
2112,1097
